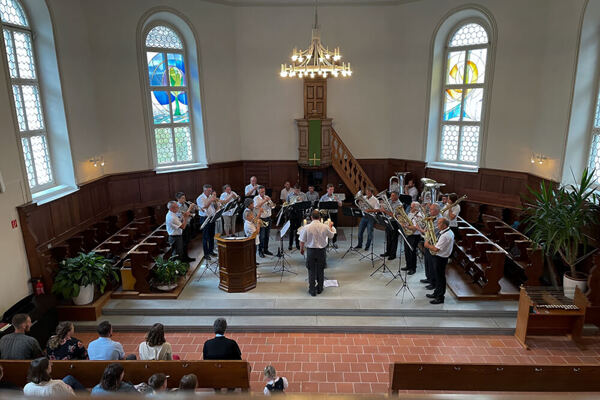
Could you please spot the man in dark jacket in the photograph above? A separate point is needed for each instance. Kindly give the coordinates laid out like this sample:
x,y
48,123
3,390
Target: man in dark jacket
x,y
220,347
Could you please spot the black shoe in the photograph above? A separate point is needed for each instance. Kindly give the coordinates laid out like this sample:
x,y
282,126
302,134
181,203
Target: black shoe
x,y
430,287
212,253
257,264
334,245
261,254
189,259
319,291
367,248
390,258
289,247
267,252
297,247
412,272
404,269
430,296
207,257
425,281
437,301
358,247
383,254
313,294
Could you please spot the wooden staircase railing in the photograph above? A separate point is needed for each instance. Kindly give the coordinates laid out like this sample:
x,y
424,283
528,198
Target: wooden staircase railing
x,y
347,166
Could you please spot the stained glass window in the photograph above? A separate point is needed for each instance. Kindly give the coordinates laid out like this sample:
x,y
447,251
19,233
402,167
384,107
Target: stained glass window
x,y
20,56
464,94
169,97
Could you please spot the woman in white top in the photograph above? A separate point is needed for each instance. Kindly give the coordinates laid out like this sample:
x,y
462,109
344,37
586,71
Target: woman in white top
x,y
156,347
41,384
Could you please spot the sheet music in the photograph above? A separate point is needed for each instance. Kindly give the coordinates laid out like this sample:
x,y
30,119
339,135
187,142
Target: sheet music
x,y
331,283
284,229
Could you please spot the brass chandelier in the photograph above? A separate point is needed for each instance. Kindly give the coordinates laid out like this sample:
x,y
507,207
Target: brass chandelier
x,y
317,60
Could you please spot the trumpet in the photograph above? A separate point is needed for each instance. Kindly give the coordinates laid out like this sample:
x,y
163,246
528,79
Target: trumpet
x,y
448,206
270,202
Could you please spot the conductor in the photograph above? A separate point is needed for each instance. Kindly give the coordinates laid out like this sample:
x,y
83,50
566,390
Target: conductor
x,y
314,236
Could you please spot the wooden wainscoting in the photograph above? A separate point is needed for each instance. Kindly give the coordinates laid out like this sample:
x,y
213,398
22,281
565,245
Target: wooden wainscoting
x,y
48,225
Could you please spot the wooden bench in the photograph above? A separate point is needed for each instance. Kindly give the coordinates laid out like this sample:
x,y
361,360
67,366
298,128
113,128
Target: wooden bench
x,y
521,254
211,374
479,257
494,377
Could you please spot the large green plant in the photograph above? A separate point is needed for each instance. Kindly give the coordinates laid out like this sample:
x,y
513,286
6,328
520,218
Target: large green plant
x,y
167,272
81,271
556,218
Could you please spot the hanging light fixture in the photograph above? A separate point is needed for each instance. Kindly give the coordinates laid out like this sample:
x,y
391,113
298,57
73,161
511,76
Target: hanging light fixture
x,y
317,60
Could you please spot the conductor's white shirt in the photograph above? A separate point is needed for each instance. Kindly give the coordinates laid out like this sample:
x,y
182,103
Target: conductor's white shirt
x,y
316,234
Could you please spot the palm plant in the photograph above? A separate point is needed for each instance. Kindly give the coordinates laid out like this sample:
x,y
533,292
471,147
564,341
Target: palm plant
x,y
557,217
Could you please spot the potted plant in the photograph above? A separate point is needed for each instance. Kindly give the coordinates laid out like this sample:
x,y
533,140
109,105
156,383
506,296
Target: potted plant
x,y
78,277
556,219
166,273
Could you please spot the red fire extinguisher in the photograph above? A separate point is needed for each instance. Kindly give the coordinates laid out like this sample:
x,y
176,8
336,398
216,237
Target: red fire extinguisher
x,y
39,288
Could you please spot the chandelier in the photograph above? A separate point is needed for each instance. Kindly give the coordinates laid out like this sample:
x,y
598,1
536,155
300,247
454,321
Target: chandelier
x,y
317,60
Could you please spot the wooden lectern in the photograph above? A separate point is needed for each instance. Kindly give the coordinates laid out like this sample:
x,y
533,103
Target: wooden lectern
x,y
237,263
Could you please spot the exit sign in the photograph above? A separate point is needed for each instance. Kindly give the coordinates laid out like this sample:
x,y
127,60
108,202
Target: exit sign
x,y
13,224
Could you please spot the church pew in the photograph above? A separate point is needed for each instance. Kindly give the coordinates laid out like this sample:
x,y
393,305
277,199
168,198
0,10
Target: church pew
x,y
522,254
494,377
211,374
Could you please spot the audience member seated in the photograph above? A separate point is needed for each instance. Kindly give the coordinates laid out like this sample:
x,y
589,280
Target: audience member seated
x,y
220,347
112,381
9,386
18,345
155,347
158,383
63,346
42,385
104,348
274,384
188,383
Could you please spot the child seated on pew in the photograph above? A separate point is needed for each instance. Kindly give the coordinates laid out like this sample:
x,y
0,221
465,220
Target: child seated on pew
x,y
274,384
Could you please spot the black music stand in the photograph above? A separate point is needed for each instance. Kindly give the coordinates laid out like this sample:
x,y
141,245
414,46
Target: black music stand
x,y
371,256
284,265
353,213
232,205
388,225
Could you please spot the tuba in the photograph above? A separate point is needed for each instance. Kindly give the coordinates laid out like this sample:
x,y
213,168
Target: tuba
x,y
397,182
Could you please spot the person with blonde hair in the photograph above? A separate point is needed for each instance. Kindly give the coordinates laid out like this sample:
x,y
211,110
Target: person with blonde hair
x,y
63,346
275,384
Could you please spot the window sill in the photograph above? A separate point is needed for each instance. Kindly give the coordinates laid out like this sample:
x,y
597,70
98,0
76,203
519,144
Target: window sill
x,y
453,166
54,193
179,168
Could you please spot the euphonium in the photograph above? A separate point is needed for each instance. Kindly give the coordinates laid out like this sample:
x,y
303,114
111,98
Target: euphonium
x,y
361,201
430,232
402,217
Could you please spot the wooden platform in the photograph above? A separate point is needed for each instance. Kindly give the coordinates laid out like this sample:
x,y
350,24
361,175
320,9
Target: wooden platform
x,y
463,288
132,294
88,312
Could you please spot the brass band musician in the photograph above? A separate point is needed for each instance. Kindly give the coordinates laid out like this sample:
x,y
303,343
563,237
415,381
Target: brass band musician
x,y
367,221
285,192
264,202
190,208
207,207
251,189
391,231
251,219
229,217
311,195
333,214
443,249
434,214
415,216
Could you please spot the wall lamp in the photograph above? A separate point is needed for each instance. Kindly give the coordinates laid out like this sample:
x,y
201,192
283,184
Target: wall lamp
x,y
97,161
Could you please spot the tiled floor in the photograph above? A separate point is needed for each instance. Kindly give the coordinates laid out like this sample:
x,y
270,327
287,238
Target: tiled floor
x,y
358,363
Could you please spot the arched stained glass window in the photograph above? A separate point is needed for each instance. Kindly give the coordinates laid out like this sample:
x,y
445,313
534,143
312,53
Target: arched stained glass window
x,y
464,93
594,161
18,45
169,96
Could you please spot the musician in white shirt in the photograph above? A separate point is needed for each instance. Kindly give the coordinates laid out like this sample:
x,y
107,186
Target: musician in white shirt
x,y
443,249
250,215
452,211
415,216
184,206
175,227
285,192
333,214
207,207
251,189
391,232
229,217
263,201
434,211
411,190
314,236
367,221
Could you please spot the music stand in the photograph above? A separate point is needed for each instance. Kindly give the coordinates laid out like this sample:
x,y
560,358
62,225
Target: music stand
x,y
388,225
404,288
371,256
281,261
352,213
405,199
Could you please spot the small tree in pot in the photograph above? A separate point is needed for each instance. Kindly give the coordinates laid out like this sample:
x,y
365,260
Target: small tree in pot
x,y
166,273
556,219
77,277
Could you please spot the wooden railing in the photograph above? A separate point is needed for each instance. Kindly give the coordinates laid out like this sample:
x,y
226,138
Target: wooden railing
x,y
347,166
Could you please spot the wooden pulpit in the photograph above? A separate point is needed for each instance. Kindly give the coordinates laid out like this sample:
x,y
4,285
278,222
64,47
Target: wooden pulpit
x,y
237,263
